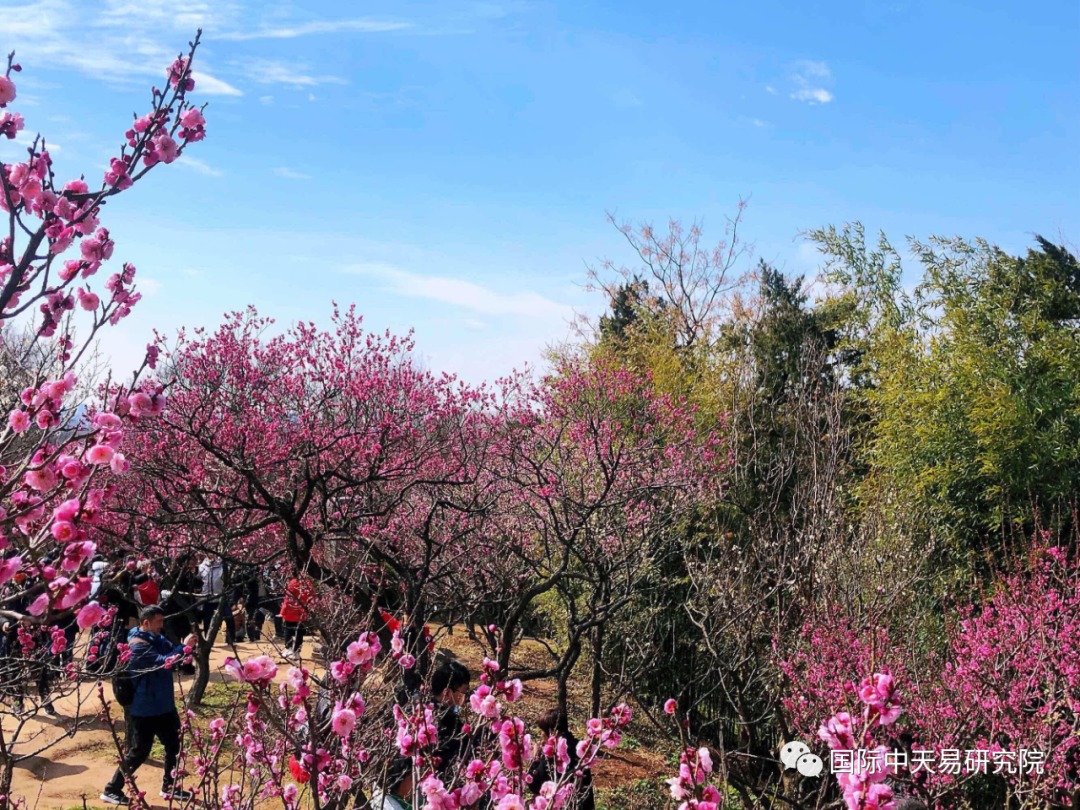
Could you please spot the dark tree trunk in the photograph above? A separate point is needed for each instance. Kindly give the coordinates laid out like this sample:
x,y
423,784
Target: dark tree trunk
x,y
7,769
206,644
597,670
563,694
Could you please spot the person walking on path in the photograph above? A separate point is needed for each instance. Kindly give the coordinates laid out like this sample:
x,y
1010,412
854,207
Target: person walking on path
x,y
153,710
298,594
213,591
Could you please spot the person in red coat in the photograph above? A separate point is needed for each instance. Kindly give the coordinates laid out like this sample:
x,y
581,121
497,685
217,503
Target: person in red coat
x,y
298,595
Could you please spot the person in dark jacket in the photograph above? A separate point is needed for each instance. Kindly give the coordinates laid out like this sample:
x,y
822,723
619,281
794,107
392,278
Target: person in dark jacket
x,y
20,669
252,591
153,711
554,723
117,632
450,687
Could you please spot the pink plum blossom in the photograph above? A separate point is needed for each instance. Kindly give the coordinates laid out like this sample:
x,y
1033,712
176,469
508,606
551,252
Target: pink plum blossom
x,y
39,605
7,91
18,421
343,721
100,454
9,568
89,615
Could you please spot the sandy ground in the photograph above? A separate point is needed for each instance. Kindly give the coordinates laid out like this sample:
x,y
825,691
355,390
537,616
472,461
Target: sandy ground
x,y
79,766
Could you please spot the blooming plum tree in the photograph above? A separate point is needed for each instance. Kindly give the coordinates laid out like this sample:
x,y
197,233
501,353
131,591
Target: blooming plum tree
x,y
52,456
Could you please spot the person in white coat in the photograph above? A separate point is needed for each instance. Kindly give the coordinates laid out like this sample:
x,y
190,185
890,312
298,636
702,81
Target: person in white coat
x,y
212,573
97,575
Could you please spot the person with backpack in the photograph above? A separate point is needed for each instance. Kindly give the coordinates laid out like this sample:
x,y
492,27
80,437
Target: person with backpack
x,y
144,685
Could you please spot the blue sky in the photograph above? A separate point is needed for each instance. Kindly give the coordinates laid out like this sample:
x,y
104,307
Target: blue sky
x,y
448,165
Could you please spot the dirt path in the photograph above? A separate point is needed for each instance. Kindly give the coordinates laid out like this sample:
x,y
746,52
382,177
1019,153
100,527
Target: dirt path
x,y
81,765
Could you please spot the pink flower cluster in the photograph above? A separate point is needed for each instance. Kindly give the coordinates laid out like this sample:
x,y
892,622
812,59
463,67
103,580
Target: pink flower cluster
x,y
690,787
866,790
485,699
258,671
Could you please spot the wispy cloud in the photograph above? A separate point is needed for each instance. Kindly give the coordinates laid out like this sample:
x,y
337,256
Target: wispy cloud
x,y
205,83
360,26
808,76
457,292
815,95
807,67
200,166
169,15
757,122
118,42
626,99
290,174
266,100
770,89
273,71
16,148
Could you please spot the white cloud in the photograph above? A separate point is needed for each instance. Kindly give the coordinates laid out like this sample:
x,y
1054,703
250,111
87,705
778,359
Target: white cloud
x,y
757,122
118,41
290,174
200,166
16,149
460,293
770,89
272,71
266,100
806,67
185,17
205,83
815,95
319,27
149,286
807,76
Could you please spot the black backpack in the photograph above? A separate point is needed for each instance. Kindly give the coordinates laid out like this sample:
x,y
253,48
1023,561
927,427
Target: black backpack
x,y
123,684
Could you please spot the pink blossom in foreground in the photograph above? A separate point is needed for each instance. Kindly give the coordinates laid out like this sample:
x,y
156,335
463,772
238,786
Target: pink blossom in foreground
x,y
75,592
363,651
18,421
41,480
39,605
9,568
89,615
7,91
343,721
259,671
100,454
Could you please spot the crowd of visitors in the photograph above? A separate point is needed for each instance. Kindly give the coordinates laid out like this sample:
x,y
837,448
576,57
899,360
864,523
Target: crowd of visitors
x,y
189,593
159,613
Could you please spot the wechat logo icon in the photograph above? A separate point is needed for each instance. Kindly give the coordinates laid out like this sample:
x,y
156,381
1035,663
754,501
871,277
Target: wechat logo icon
x,y
797,755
